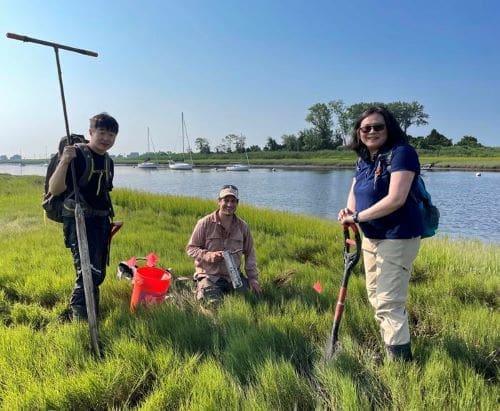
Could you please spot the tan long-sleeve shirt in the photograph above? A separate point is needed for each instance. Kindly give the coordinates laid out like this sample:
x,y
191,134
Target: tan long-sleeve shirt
x,y
210,235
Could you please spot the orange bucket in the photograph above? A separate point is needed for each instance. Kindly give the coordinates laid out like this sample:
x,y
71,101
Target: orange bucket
x,y
150,286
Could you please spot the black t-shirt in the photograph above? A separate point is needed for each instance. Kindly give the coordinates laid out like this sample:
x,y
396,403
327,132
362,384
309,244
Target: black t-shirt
x,y
95,191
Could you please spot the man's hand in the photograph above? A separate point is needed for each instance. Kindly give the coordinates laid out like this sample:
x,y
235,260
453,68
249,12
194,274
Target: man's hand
x,y
68,154
214,256
255,287
57,182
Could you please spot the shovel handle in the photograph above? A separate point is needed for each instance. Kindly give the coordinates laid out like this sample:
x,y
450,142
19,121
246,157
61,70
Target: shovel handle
x,y
350,260
351,257
115,227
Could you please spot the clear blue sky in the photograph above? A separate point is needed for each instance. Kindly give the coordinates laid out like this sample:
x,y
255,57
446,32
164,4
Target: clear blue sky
x,y
250,67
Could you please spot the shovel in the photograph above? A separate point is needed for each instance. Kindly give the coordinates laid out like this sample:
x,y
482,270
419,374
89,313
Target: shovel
x,y
350,260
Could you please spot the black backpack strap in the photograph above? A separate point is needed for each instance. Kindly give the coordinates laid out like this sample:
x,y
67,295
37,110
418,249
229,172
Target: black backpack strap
x,y
89,167
89,164
107,168
358,166
89,170
387,159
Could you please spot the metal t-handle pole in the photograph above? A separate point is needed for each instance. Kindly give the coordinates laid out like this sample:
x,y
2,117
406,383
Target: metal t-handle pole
x,y
50,44
81,231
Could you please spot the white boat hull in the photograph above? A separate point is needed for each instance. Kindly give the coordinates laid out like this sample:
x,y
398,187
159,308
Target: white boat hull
x,y
147,164
180,166
238,167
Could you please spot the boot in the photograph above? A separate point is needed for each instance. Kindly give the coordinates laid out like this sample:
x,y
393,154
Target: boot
x,y
79,312
399,352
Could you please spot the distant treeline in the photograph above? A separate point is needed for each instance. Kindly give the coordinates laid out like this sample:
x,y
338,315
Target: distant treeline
x,y
331,125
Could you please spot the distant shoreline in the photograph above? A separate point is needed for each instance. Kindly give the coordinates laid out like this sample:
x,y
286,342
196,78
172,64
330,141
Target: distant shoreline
x,y
424,166
348,167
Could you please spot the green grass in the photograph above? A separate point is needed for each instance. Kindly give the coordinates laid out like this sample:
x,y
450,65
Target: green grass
x,y
252,353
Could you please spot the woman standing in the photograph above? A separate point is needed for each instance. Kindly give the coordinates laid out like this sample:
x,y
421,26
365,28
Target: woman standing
x,y
389,218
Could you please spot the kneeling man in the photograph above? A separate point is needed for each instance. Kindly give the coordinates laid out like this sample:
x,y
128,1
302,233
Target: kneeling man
x,y
215,233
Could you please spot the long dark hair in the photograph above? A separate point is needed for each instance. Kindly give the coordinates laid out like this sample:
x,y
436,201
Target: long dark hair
x,y
395,134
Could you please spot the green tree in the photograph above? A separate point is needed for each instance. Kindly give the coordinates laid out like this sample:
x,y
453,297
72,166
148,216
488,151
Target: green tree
x,y
344,126
407,114
272,145
417,142
291,142
469,141
239,143
229,143
310,140
202,145
435,140
320,116
354,111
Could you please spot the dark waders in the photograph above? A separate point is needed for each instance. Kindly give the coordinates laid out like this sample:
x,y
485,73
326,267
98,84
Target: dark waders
x,y
79,216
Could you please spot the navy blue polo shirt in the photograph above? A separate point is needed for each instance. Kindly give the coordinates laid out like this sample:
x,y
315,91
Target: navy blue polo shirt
x,y
372,184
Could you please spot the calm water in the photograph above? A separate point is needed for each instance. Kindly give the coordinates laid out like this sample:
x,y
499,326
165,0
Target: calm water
x,y
469,205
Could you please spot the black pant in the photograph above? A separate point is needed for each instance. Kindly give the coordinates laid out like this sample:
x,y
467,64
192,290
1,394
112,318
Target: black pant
x,y
98,231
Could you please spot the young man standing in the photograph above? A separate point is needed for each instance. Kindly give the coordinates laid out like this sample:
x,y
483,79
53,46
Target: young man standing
x,y
215,233
95,200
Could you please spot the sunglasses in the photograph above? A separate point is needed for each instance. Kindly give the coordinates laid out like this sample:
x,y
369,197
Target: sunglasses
x,y
375,127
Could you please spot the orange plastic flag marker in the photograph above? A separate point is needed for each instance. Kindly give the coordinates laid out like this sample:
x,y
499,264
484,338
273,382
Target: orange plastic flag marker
x,y
317,287
132,262
151,259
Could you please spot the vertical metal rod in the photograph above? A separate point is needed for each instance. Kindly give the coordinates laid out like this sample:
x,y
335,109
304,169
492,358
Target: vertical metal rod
x,y
81,232
66,124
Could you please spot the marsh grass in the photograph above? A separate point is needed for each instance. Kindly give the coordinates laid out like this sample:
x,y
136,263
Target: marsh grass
x,y
252,353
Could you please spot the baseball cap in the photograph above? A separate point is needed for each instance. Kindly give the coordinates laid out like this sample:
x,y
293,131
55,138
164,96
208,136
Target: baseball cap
x,y
228,190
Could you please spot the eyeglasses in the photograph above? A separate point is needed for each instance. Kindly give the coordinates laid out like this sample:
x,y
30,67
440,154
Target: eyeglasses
x,y
375,127
230,186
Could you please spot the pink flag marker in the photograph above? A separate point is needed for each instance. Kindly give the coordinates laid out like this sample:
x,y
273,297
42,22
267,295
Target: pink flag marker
x,y
151,259
317,287
132,262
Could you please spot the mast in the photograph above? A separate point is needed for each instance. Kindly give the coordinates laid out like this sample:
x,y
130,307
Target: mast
x,y
182,122
149,150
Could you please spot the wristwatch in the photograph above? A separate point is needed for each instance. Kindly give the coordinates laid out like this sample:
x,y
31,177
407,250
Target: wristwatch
x,y
355,217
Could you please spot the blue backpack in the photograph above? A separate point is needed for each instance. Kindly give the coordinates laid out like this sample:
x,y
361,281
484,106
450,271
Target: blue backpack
x,y
429,212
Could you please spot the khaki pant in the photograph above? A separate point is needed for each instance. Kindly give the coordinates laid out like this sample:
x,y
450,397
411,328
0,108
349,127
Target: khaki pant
x,y
388,265
212,291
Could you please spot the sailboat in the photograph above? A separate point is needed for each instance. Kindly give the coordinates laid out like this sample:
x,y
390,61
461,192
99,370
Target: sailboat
x,y
239,166
182,165
148,163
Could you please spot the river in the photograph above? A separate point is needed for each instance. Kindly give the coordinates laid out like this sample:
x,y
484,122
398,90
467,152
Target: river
x,y
469,204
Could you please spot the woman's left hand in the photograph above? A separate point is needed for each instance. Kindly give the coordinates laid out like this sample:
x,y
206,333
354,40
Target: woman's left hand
x,y
345,216
347,219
